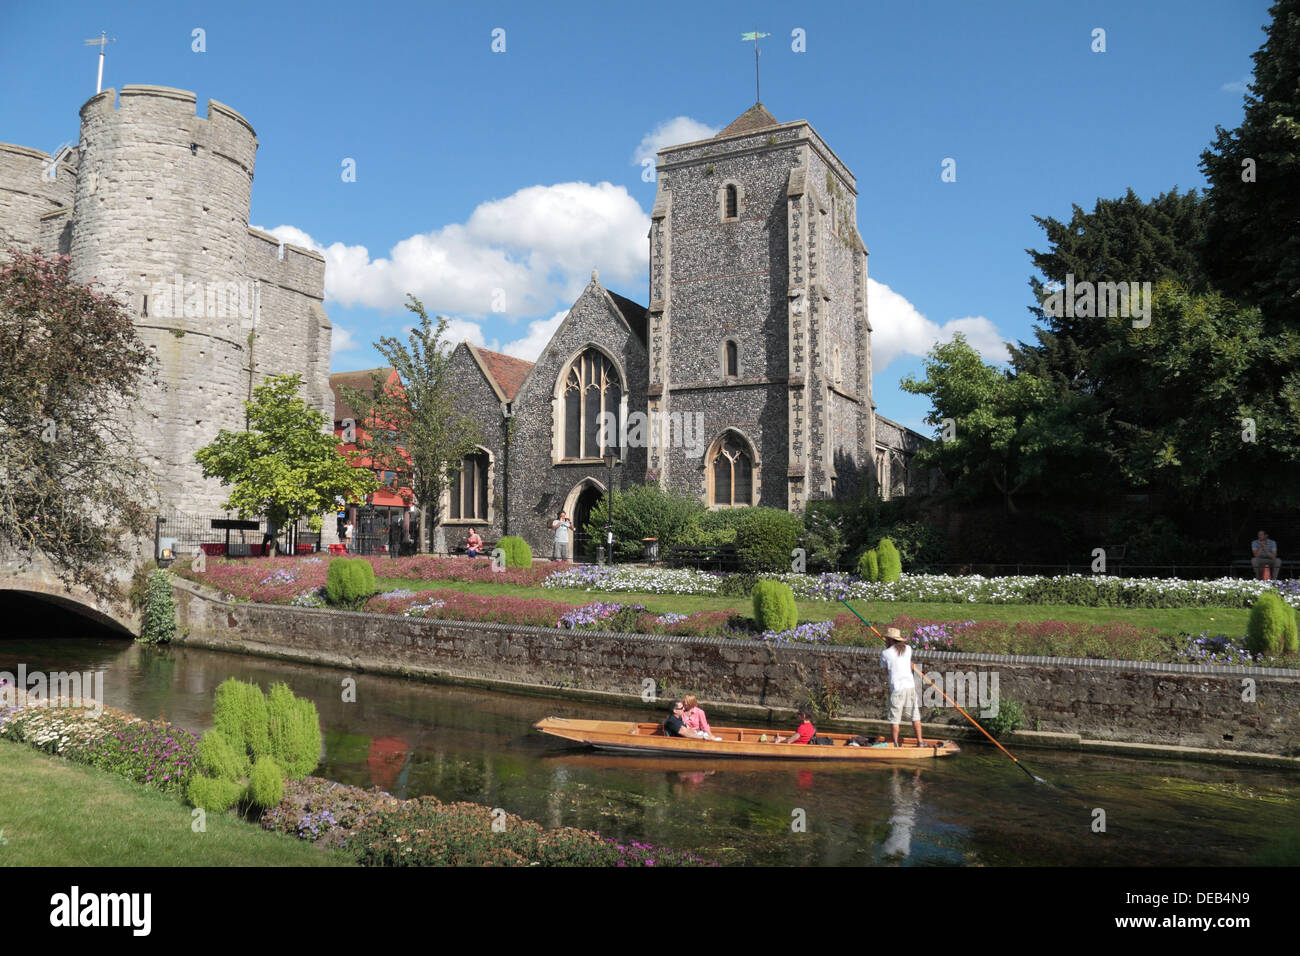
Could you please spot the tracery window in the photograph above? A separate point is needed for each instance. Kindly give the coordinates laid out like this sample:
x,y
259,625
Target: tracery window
x,y
592,395
732,473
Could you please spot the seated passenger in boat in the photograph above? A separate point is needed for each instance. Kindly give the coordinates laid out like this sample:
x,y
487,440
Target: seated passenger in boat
x,y
805,732
695,719
675,725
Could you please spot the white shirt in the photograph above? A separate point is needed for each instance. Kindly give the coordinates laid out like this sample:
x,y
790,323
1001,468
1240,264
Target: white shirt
x,y
899,667
561,530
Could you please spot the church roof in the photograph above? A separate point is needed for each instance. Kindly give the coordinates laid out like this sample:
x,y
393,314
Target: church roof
x,y
635,315
506,371
755,118
362,380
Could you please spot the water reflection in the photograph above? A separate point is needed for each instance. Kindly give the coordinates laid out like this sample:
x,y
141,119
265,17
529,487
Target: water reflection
x,y
410,738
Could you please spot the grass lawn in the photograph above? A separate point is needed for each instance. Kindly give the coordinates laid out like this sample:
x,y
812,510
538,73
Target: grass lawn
x,y
57,813
1171,621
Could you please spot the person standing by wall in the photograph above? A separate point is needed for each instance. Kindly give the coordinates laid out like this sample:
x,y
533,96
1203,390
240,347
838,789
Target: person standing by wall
x,y
561,525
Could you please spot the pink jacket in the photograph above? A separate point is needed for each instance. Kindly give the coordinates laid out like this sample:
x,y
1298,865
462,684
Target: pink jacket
x,y
697,721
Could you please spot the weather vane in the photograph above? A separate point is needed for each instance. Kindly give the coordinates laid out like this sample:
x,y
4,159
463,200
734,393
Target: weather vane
x,y
755,36
104,39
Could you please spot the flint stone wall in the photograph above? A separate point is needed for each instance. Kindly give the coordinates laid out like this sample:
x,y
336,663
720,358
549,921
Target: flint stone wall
x,y
1180,705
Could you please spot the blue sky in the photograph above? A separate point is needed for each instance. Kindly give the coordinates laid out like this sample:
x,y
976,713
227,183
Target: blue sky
x,y
478,170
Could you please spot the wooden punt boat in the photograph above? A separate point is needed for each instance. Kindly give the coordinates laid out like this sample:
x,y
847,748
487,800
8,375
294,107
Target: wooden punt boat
x,y
648,738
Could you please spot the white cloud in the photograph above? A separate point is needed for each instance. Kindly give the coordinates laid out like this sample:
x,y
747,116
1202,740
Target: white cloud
x,y
539,333
897,328
1236,86
341,340
515,256
680,129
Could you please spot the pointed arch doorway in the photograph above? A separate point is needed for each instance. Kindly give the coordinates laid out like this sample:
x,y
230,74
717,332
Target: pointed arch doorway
x,y
580,503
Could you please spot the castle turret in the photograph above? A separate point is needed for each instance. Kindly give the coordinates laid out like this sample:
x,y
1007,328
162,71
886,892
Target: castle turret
x,y
36,192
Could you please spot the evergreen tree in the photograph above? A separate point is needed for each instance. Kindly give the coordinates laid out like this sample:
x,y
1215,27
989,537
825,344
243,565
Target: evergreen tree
x,y
1253,236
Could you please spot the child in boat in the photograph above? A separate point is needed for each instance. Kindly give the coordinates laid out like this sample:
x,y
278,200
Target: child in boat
x,y
805,732
695,719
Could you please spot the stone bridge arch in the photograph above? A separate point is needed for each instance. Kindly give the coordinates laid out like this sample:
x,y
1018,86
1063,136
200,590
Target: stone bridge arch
x,y
37,581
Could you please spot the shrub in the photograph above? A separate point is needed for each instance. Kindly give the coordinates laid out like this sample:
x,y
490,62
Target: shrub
x,y
294,730
711,528
159,616
214,794
766,537
1010,717
869,566
239,713
349,582
891,565
220,759
823,535
920,545
265,784
646,511
740,584
517,552
774,607
1271,628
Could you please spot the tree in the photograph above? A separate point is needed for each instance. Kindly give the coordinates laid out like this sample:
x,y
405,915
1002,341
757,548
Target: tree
x,y
997,429
71,480
1253,240
287,464
412,425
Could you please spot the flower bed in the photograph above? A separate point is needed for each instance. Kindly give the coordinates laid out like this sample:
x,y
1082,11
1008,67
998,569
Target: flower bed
x,y
152,753
1077,589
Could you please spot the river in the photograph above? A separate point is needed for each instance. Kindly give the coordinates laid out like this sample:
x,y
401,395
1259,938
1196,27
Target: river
x,y
412,738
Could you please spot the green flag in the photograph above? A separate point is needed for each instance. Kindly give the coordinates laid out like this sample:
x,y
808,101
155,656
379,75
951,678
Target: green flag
x,y
753,36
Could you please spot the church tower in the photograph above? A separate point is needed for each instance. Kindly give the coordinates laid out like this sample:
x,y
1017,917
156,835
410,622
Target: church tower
x,y
759,343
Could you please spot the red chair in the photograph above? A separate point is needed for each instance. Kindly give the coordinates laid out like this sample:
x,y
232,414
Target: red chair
x,y
338,549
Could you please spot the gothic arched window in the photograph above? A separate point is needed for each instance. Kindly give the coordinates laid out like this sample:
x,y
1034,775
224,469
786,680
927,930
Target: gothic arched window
x,y
592,393
468,495
731,473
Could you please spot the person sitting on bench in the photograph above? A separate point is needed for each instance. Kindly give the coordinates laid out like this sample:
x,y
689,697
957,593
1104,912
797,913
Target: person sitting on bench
x,y
1265,550
473,544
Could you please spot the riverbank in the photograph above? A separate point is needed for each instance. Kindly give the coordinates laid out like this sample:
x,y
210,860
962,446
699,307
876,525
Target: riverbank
x,y
1237,714
58,813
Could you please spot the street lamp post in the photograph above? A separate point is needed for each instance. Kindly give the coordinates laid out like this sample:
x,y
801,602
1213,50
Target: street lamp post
x,y
611,460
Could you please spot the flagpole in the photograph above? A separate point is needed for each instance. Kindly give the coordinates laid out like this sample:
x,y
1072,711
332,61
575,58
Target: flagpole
x,y
758,96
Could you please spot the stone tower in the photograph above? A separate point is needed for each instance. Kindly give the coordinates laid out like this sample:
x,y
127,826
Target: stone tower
x,y
758,313
153,207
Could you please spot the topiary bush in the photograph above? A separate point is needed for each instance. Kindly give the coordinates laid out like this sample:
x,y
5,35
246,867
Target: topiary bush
x,y
349,582
869,566
891,564
1271,628
214,794
265,784
518,553
158,624
766,537
774,607
219,758
294,730
239,713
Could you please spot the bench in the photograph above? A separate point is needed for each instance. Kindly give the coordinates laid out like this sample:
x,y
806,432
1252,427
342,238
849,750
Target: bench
x,y
1291,565
718,557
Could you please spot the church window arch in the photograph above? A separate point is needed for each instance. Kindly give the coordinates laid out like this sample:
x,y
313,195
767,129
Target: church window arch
x,y
731,472
731,200
591,413
468,497
730,358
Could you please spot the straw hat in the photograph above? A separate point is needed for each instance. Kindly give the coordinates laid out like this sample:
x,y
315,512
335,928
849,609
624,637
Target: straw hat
x,y
894,634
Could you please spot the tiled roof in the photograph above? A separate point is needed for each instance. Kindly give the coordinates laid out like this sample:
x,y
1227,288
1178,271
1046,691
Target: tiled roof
x,y
635,314
754,118
358,380
507,370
